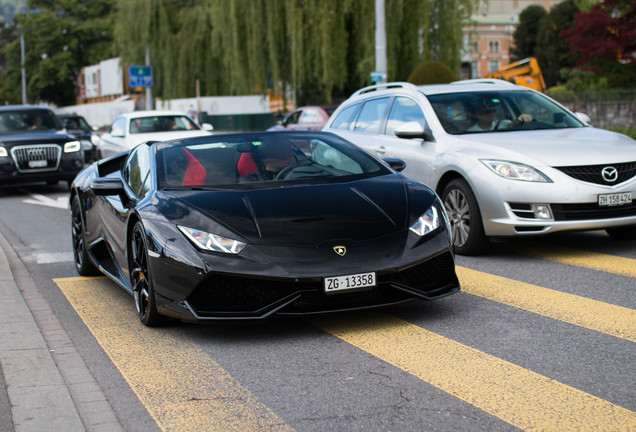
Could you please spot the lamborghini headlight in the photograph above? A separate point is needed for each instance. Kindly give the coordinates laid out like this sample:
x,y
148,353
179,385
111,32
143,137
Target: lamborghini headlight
x,y
72,146
516,171
3,152
212,242
427,223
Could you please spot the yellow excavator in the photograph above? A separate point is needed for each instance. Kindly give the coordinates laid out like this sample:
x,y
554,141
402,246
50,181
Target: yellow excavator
x,y
525,72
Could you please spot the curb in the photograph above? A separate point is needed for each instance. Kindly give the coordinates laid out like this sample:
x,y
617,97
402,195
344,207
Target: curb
x,y
48,385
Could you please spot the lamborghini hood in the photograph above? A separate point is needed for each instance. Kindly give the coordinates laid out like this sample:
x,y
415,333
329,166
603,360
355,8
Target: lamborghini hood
x,y
312,214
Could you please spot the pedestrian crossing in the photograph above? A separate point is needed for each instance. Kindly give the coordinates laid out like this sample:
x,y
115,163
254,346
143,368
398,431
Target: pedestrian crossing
x,y
184,388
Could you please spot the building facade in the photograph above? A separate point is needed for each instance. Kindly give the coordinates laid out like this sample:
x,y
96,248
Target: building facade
x,y
487,41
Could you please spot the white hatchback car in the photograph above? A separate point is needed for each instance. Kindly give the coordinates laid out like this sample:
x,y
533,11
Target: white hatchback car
x,y
506,160
136,127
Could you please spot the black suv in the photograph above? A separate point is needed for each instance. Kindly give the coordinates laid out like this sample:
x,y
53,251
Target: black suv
x,y
77,126
35,148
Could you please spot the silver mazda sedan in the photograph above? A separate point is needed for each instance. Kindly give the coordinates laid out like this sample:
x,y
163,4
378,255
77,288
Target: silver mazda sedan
x,y
505,159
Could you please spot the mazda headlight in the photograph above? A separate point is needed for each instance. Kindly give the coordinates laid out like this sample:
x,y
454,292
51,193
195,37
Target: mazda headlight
x,y
212,242
72,146
427,223
516,171
3,152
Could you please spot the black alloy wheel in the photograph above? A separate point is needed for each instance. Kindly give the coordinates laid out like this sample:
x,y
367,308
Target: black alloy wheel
x,y
83,262
465,218
141,280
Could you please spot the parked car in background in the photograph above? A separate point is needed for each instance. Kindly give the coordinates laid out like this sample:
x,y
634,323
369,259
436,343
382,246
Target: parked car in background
x,y
305,118
136,127
77,126
35,148
506,160
251,225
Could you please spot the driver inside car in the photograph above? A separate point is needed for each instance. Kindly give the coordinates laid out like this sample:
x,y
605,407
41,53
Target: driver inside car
x,y
265,162
484,110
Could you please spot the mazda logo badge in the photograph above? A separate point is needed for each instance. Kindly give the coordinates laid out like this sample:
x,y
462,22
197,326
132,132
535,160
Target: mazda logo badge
x,y
610,174
340,250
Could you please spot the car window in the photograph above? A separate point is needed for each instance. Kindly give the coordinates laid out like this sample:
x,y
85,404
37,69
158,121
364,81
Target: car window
x,y
293,118
499,111
310,115
254,160
28,120
119,124
163,123
371,115
404,110
136,170
343,120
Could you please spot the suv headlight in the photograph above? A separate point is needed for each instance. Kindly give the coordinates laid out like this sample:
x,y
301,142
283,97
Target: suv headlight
x,y
212,242
72,146
515,171
3,152
427,223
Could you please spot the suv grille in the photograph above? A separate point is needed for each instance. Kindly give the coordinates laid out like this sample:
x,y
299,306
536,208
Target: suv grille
x,y
594,173
35,158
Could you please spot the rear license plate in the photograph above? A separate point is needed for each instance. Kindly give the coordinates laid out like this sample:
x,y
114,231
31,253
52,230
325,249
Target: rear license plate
x,y
349,282
615,199
38,164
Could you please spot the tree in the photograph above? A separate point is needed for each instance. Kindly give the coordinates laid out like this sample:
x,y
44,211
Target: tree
x,y
322,48
553,51
604,40
60,38
526,34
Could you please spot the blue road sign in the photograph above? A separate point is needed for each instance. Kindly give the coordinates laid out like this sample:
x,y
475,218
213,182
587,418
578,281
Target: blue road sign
x,y
139,76
377,76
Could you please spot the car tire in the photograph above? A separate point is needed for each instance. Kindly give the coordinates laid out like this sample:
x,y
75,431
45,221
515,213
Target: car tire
x,y
141,279
83,263
465,218
622,233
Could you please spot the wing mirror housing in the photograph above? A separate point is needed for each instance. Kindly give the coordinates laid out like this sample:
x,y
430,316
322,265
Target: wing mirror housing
x,y
412,130
583,117
117,133
396,164
107,186
207,127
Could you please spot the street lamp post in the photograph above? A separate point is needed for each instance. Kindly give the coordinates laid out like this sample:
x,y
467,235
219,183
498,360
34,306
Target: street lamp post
x,y
22,61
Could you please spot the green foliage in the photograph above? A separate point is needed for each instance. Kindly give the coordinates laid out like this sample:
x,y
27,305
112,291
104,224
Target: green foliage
x,y
562,94
630,131
432,72
553,51
324,49
578,80
60,38
526,34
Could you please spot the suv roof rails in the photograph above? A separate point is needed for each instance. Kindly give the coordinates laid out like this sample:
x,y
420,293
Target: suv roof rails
x,y
483,81
385,86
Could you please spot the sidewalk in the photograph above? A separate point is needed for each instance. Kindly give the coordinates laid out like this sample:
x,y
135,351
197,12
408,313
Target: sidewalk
x,y
47,386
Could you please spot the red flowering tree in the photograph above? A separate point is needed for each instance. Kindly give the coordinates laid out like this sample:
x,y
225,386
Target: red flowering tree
x,y
604,41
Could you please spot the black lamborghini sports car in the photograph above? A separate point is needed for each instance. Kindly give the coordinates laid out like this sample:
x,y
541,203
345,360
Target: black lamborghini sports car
x,y
250,225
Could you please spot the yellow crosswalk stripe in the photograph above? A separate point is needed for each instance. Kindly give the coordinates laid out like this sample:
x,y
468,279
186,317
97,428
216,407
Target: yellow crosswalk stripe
x,y
581,258
592,314
525,399
179,384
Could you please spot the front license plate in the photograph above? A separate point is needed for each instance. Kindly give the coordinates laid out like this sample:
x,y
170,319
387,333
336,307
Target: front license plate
x,y
615,199
349,282
38,164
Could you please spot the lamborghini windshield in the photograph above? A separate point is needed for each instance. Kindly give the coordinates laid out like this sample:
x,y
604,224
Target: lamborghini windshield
x,y
498,111
259,160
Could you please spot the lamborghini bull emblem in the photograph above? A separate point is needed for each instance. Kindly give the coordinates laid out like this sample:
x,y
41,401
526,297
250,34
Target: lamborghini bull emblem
x,y
340,250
